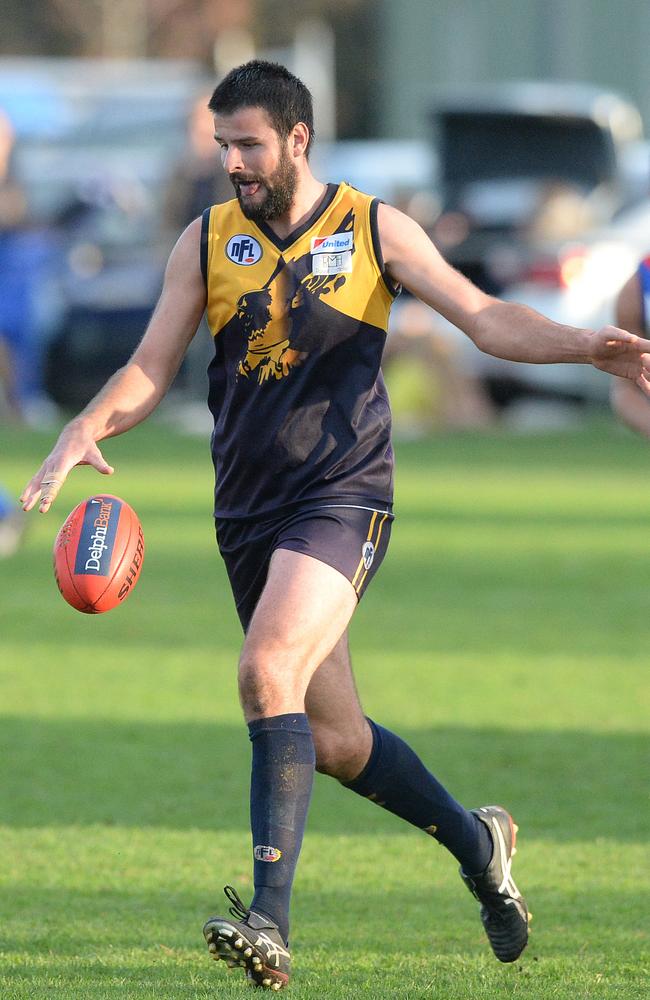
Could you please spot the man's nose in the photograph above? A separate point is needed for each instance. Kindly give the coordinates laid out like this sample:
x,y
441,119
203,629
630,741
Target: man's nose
x,y
232,162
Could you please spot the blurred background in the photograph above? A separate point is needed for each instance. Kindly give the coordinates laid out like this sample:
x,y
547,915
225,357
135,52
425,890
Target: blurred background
x,y
513,605
515,132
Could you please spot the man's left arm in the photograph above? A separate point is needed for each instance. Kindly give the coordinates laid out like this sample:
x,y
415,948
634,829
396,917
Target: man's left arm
x,y
504,329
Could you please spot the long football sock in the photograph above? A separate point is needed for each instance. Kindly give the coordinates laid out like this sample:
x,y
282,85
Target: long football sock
x,y
396,779
281,783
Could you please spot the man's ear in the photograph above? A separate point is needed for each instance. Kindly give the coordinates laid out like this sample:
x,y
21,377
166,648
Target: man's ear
x,y
299,139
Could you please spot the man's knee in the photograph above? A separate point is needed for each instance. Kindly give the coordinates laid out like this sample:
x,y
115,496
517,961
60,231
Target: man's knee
x,y
267,681
339,755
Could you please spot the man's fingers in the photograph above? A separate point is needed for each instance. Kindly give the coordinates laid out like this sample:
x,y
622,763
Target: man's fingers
x,y
32,491
643,382
615,339
50,487
29,498
44,485
613,335
95,458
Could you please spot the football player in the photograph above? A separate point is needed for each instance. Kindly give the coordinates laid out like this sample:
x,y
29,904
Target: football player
x,y
297,277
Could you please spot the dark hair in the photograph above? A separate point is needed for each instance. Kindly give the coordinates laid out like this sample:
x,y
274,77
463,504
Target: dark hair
x,y
270,86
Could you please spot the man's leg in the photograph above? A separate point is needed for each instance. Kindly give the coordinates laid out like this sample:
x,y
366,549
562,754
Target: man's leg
x,y
303,610
377,764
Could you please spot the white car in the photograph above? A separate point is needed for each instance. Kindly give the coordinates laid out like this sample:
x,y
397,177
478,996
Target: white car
x,y
575,284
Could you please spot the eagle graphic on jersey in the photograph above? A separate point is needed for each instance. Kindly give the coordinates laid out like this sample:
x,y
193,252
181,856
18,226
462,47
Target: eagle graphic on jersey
x,y
269,316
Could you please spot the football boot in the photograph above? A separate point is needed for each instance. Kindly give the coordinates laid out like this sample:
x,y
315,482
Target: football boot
x,y
504,912
250,940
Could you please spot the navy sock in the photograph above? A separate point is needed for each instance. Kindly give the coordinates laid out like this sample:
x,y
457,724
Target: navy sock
x,y
281,782
396,779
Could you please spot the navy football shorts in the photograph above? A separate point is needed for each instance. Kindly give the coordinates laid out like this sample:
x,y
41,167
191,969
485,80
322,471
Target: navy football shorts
x,y
351,539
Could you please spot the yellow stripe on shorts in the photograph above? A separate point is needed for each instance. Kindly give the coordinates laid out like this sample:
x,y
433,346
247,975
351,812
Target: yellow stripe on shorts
x,y
376,544
368,539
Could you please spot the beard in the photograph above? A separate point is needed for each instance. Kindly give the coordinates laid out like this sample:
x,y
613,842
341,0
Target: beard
x,y
280,190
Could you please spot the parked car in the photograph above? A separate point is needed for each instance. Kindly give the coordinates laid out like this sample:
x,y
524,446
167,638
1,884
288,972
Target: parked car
x,y
577,285
97,142
381,167
525,165
84,122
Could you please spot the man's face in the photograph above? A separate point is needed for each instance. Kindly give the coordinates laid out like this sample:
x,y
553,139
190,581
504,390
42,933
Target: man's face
x,y
258,163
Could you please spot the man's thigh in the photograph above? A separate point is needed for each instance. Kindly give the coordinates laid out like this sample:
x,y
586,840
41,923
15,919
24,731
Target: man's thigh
x,y
351,540
304,609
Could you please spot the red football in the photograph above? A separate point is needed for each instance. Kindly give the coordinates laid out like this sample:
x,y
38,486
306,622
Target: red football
x,y
98,554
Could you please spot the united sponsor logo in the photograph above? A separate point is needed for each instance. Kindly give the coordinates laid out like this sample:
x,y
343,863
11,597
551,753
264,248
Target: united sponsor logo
x,y
244,250
337,243
367,554
97,536
262,852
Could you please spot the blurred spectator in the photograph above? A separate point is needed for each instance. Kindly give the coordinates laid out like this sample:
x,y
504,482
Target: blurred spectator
x,y
18,363
22,252
12,518
563,211
198,180
429,383
430,379
9,408
12,525
632,313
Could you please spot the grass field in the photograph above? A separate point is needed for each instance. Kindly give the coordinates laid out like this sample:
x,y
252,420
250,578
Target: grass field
x,y
504,637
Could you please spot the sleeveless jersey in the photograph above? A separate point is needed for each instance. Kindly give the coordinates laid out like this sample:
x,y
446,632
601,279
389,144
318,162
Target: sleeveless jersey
x,y
299,403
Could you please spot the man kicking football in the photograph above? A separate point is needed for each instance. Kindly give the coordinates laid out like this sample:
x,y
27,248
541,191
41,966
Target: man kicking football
x,y
298,278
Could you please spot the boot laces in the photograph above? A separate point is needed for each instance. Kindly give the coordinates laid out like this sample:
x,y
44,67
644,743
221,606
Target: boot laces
x,y
237,910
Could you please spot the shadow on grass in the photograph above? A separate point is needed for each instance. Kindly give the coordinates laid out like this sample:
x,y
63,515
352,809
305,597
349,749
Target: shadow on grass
x,y
565,785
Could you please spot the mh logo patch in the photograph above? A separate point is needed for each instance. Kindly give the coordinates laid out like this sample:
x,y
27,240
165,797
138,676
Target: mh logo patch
x,y
97,536
244,250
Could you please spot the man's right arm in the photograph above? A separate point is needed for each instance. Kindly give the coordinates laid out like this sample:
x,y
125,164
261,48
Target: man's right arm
x,y
135,390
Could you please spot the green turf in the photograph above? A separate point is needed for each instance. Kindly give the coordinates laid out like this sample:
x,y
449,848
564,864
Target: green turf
x,y
504,637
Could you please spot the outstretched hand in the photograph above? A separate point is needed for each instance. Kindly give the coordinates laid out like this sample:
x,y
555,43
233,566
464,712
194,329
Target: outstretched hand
x,y
621,353
74,447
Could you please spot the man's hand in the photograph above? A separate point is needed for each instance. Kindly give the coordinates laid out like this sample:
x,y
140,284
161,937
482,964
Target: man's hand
x,y
621,353
74,447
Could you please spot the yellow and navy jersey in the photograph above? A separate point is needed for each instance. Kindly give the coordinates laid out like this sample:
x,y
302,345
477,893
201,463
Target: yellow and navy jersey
x,y
299,324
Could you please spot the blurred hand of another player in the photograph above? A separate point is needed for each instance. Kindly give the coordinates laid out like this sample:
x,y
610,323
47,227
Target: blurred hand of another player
x,y
75,446
621,353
